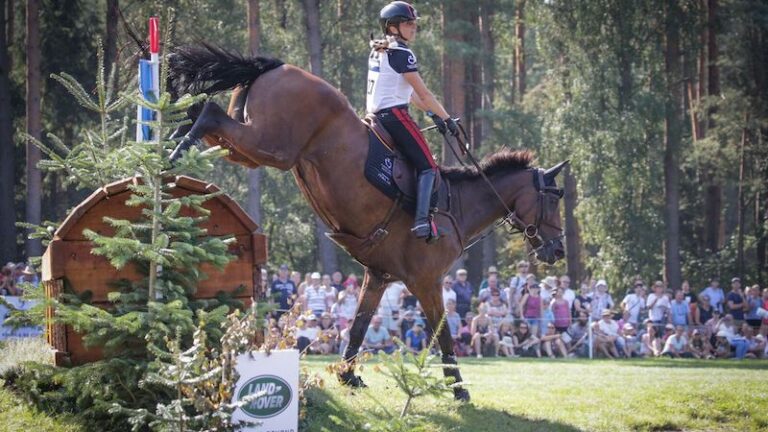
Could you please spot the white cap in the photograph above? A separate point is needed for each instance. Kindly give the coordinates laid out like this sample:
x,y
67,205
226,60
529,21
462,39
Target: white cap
x,y
601,282
315,275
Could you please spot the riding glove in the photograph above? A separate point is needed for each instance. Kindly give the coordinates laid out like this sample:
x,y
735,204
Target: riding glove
x,y
452,127
439,123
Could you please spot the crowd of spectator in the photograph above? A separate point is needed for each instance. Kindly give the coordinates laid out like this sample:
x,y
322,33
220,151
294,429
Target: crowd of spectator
x,y
524,316
13,276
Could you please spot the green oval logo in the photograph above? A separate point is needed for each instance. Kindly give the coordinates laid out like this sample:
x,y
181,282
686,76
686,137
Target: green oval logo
x,y
276,397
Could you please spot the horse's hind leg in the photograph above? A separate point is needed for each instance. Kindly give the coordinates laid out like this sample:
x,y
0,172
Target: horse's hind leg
x,y
432,303
370,296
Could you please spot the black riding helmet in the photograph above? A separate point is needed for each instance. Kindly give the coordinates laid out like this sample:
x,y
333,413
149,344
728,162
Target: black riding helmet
x,y
396,13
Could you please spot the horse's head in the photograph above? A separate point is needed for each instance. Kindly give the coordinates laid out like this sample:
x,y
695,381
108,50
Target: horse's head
x,y
537,214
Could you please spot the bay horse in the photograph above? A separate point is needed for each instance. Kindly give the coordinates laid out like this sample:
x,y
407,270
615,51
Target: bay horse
x,y
284,117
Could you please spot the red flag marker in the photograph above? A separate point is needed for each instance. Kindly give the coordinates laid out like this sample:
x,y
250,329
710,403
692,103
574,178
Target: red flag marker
x,y
154,35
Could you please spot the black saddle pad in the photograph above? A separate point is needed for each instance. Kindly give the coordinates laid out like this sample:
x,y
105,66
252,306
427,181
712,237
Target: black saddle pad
x,y
379,171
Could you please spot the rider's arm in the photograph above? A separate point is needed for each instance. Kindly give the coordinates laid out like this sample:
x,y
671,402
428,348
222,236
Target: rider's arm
x,y
426,97
416,100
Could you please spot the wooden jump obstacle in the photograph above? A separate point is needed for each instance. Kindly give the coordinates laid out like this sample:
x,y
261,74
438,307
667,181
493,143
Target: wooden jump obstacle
x,y
68,260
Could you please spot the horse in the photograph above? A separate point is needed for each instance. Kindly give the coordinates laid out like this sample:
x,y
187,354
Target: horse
x,y
283,117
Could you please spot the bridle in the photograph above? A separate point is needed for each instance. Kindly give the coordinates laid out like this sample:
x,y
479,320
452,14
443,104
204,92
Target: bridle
x,y
531,231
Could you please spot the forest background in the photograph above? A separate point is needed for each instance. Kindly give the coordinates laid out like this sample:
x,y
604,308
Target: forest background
x,y
661,106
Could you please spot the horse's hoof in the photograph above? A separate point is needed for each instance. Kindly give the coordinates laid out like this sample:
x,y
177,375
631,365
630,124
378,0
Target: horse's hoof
x,y
461,394
350,379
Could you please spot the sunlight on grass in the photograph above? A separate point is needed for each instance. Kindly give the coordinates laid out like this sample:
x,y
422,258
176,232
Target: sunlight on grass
x,y
16,351
535,395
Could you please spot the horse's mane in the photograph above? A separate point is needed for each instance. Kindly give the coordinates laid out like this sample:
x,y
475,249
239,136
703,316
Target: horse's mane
x,y
504,160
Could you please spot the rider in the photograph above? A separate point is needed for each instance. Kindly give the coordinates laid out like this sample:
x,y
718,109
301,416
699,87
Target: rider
x,y
393,82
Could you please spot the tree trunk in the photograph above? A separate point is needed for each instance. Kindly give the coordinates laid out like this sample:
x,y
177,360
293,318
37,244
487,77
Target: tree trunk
x,y
111,53
253,202
454,71
741,206
7,154
672,136
488,92
34,178
326,250
572,231
715,229
520,49
346,81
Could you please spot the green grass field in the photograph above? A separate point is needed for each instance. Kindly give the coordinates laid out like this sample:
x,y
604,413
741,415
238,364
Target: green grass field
x,y
570,395
529,395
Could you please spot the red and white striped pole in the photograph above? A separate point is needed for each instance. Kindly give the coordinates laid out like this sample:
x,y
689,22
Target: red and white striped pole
x,y
154,53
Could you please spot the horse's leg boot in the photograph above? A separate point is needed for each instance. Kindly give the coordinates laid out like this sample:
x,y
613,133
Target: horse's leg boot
x,y
423,227
349,378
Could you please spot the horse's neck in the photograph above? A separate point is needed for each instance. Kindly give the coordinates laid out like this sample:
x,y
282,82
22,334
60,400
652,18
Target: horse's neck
x,y
477,205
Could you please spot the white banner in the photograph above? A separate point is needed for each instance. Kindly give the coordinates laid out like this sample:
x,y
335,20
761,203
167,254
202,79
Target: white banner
x,y
278,376
8,332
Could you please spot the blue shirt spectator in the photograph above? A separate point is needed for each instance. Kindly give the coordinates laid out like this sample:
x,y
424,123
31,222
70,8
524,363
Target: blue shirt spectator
x,y
679,310
464,292
283,289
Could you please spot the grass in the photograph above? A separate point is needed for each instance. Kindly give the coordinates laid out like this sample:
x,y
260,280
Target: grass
x,y
511,395
572,395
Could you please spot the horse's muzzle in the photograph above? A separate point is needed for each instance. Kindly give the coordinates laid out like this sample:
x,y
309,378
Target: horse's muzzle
x,y
551,251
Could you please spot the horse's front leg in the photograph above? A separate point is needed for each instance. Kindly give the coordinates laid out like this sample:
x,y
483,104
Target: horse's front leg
x,y
243,141
432,303
368,301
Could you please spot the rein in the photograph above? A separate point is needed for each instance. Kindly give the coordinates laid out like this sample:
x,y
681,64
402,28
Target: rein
x,y
516,225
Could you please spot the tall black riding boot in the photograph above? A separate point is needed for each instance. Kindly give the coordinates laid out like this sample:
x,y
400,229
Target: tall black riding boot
x,y
422,226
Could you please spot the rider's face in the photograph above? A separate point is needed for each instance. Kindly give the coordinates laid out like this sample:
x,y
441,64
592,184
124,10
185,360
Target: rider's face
x,y
407,30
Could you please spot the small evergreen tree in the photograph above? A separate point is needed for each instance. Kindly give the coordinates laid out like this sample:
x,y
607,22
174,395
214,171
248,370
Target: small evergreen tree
x,y
166,246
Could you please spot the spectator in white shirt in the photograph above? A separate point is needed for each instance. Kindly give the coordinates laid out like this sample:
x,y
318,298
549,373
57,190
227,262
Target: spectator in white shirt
x,y
658,305
608,340
448,293
601,299
315,296
518,281
568,294
634,303
677,344
715,294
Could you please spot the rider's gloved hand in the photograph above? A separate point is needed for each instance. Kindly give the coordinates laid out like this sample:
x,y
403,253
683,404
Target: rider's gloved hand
x,y
439,123
452,126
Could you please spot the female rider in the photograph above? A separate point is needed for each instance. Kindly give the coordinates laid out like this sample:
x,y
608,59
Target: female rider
x,y
394,82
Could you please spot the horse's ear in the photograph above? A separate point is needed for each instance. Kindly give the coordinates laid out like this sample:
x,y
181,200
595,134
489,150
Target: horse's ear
x,y
555,170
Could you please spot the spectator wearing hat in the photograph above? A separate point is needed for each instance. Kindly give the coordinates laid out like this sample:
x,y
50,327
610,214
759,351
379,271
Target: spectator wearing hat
x,y
464,292
315,296
548,285
416,338
283,290
608,340
448,293
492,270
531,308
407,322
568,293
631,341
601,299
634,303
734,301
377,337
679,312
658,305
715,294
519,280
583,302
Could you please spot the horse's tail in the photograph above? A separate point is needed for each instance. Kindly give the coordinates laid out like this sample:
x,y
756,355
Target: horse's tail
x,y
210,69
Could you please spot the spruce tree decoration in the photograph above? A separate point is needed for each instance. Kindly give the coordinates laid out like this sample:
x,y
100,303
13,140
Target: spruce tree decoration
x,y
166,244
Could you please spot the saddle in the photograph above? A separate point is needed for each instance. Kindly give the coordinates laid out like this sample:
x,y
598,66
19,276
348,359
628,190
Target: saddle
x,y
388,169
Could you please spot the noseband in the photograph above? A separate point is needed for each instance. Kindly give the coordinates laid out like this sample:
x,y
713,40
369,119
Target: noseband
x,y
531,231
